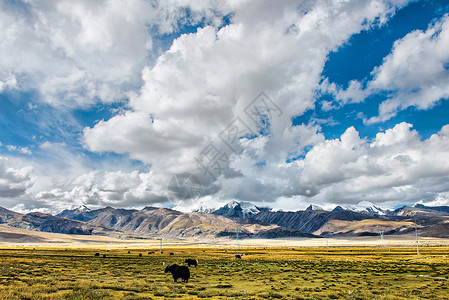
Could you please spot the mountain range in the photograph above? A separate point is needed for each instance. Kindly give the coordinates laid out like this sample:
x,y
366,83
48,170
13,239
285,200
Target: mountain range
x,y
242,219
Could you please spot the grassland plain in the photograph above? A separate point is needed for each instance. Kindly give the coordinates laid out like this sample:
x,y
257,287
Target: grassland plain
x,y
262,273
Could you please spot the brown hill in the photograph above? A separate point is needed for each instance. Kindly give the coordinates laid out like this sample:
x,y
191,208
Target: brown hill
x,y
6,214
363,227
48,223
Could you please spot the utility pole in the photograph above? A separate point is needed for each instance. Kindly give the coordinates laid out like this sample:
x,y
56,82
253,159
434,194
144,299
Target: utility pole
x,y
160,251
327,245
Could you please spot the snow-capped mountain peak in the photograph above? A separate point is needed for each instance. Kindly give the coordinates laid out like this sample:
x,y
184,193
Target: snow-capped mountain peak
x,y
233,204
203,209
314,207
367,207
238,209
82,208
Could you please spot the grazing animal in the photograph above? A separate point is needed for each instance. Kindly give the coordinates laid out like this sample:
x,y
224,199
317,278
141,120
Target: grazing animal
x,y
129,252
191,262
140,254
237,256
179,272
104,255
171,253
97,254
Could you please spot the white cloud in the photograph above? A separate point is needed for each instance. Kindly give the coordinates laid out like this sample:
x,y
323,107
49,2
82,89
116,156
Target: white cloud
x,y
7,81
100,188
205,79
14,182
22,208
441,200
74,52
23,150
415,73
396,166
354,93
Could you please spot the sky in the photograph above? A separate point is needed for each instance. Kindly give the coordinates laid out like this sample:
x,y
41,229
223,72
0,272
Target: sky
x,y
193,104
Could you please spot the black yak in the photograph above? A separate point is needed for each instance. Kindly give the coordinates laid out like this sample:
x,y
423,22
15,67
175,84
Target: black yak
x,y
178,272
238,256
140,254
191,262
97,254
104,255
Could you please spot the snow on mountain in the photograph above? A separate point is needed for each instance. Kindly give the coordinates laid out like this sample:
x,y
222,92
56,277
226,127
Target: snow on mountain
x,y
238,209
314,207
82,208
249,208
366,206
203,209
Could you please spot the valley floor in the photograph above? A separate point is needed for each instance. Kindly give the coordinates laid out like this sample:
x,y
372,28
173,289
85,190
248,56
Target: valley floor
x,y
17,237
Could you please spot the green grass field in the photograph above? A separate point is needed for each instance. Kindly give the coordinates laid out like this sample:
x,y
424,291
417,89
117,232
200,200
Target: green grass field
x,y
262,273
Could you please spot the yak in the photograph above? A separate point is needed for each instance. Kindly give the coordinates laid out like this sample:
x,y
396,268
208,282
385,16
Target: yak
x,y
178,272
238,256
191,262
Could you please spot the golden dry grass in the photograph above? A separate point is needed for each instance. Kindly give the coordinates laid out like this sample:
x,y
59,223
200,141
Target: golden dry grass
x,y
262,273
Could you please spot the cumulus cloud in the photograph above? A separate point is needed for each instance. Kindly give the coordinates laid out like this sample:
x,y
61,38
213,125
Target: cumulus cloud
x,y
7,81
100,188
207,78
75,53
441,200
397,165
14,182
354,93
22,150
415,73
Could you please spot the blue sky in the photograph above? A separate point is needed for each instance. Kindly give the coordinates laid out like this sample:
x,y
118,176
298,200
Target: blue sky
x,y
103,104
